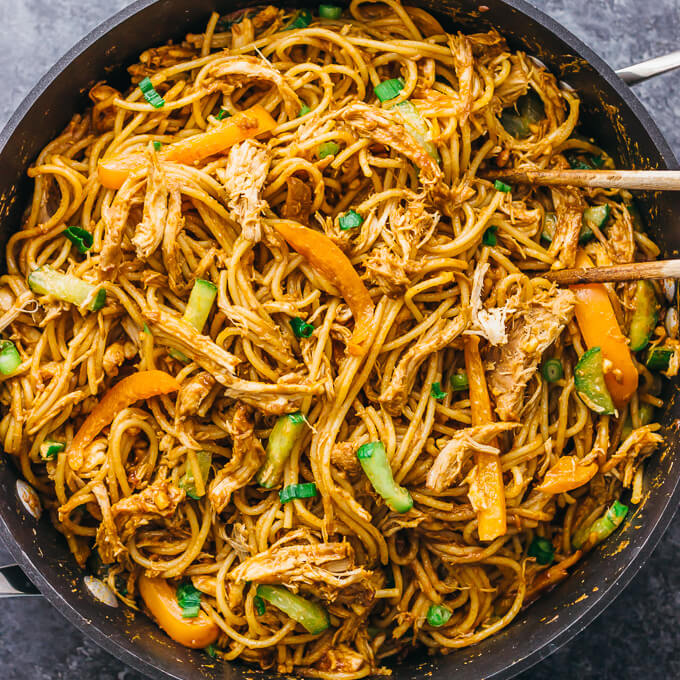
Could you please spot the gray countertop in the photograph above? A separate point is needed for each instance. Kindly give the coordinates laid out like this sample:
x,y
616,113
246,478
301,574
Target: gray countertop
x,y
639,635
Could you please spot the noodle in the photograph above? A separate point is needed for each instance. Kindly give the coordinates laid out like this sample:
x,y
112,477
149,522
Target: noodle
x,y
167,487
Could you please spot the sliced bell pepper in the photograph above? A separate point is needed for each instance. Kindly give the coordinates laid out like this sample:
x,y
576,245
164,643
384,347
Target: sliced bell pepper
x,y
140,385
567,474
491,519
161,599
241,126
333,264
599,327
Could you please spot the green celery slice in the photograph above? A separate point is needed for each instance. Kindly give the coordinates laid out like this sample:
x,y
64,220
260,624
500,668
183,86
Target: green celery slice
x,y
311,616
66,287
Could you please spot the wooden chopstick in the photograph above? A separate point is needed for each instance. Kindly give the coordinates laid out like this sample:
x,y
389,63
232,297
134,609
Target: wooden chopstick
x,y
661,269
653,180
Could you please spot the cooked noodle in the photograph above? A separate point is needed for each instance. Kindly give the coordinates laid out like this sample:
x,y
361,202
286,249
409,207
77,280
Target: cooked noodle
x,y
453,266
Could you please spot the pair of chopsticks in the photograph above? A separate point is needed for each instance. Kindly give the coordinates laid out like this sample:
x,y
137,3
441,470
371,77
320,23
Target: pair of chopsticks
x,y
646,180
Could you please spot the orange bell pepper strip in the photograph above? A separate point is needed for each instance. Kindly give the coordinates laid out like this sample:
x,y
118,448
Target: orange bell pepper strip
x,y
567,474
243,125
140,385
161,600
600,328
332,263
491,519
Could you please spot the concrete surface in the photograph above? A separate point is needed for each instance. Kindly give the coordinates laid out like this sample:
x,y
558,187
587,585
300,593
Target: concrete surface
x,y
639,635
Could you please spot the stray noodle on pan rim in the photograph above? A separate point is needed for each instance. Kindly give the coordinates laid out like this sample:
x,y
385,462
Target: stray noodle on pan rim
x,y
282,366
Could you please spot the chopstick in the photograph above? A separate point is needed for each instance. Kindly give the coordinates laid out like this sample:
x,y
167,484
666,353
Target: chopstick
x,y
661,269
668,180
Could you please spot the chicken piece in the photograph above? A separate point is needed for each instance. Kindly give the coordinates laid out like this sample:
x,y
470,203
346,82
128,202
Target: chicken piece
x,y
149,232
340,659
439,336
298,205
639,444
384,127
330,567
114,356
620,240
532,329
489,322
465,442
344,457
192,393
115,218
247,456
235,71
173,226
463,61
104,110
158,500
243,177
108,541
266,16
569,207
388,271
156,58
242,33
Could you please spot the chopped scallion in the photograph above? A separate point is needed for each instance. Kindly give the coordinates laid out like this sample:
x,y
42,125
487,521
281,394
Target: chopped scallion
x,y
388,89
81,238
157,146
150,94
438,615
304,110
301,20
330,11
292,491
223,113
459,381
50,449
350,220
328,149
189,599
489,236
301,328
542,549
552,370
502,186
436,391
259,605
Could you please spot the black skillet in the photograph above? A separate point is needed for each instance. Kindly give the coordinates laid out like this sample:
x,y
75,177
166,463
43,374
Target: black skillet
x,y
611,114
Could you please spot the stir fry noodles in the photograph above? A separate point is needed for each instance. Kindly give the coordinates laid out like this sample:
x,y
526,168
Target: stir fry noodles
x,y
284,367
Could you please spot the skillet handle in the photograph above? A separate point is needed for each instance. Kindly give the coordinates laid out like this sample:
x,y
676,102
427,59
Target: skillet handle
x,y
649,68
14,583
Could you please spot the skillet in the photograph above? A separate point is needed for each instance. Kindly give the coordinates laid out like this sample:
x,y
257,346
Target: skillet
x,y
611,114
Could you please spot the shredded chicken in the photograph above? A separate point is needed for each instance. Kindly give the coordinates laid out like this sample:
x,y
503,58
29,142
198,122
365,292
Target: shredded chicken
x,y
344,456
439,336
192,394
639,444
149,233
449,462
569,207
388,271
532,329
243,177
327,566
489,323
231,72
242,33
247,456
158,500
340,659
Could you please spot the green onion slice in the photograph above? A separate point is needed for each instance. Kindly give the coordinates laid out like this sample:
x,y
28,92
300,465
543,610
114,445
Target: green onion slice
x,y
489,237
293,491
81,238
304,110
436,391
259,605
301,20
301,328
10,359
502,186
150,94
157,146
189,599
542,549
438,615
328,149
223,113
50,449
330,11
459,381
389,89
350,220
552,370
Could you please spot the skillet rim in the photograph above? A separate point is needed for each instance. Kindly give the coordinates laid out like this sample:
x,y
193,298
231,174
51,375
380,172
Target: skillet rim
x,y
563,632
